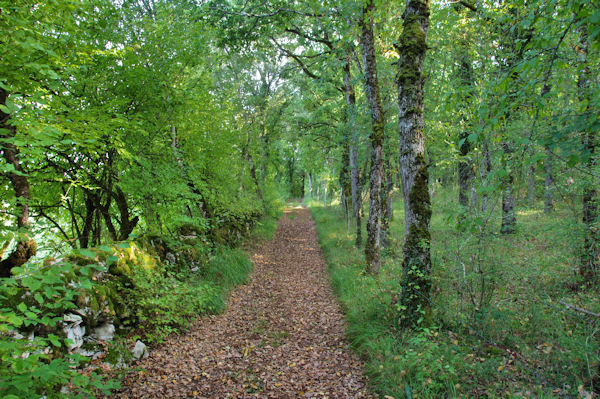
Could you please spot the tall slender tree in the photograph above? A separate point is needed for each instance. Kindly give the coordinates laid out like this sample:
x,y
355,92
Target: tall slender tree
x,y
367,42
416,267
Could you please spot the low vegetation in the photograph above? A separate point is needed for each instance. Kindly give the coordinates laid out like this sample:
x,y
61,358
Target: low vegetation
x,y
127,285
501,324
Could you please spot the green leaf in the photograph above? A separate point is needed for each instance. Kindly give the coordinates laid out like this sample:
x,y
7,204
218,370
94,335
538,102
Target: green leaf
x,y
111,260
87,253
54,340
39,298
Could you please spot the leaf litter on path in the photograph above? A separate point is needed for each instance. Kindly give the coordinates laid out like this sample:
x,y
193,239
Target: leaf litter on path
x,y
282,335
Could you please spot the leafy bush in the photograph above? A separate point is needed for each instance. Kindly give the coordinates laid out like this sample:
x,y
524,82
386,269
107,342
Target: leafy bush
x,y
33,303
125,283
164,302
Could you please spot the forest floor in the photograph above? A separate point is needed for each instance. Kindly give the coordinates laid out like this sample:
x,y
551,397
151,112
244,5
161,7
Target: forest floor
x,y
282,335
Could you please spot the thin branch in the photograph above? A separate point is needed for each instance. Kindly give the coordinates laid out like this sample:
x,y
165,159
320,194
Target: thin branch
x,y
578,309
297,31
295,58
68,239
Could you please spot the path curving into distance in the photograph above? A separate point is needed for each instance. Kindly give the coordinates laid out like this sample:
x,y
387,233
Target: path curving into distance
x,y
282,335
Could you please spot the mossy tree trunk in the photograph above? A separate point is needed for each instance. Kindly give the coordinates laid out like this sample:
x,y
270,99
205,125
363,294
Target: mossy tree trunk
x,y
344,179
531,184
354,172
367,42
26,247
387,204
416,283
466,173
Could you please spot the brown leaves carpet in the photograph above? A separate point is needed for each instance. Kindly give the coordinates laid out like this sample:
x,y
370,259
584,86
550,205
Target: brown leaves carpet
x,y
281,336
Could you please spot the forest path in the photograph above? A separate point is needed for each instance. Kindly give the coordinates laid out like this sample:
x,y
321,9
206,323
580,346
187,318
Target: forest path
x,y
282,335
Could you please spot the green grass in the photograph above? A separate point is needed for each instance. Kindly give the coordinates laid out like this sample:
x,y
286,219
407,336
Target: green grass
x,y
227,268
524,276
265,228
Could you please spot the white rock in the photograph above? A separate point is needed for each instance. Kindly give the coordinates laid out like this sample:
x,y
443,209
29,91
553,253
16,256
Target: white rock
x,y
75,333
73,318
74,330
139,350
93,354
105,332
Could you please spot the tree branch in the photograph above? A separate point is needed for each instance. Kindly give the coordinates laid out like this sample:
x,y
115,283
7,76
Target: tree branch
x,y
295,58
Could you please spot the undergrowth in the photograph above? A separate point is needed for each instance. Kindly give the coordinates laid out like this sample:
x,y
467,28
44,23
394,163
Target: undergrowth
x,y
126,284
500,327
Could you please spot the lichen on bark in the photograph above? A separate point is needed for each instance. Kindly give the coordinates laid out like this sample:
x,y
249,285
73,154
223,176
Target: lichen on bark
x,y
416,267
416,283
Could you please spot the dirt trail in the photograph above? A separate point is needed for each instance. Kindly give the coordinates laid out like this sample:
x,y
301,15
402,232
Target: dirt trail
x,y
281,336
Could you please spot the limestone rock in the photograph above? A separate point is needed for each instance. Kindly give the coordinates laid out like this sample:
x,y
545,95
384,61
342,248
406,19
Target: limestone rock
x,y
139,350
74,330
105,332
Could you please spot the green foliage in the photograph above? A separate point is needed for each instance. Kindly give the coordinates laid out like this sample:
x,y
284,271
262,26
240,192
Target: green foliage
x,y
123,282
34,303
164,303
186,125
492,294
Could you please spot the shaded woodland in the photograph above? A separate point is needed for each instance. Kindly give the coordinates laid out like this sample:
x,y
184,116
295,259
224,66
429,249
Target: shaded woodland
x,y
446,149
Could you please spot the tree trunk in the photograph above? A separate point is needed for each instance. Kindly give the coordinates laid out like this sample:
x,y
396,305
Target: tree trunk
x,y
548,181
509,220
255,178
127,224
88,223
373,245
531,185
354,172
486,169
590,256
387,205
344,177
26,247
465,171
97,230
416,283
